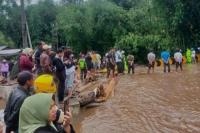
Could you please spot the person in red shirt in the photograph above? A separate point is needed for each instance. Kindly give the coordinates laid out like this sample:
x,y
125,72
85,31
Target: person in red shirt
x,y
25,60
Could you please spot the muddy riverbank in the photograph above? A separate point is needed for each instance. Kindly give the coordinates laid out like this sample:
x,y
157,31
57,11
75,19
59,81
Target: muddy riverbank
x,y
155,103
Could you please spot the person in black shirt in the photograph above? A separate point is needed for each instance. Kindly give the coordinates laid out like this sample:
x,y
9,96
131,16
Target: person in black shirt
x,y
37,56
110,63
60,73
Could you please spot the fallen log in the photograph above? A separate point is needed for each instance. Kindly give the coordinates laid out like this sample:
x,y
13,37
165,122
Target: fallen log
x,y
98,95
108,91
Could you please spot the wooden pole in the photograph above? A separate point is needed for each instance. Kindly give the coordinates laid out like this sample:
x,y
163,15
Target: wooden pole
x,y
23,24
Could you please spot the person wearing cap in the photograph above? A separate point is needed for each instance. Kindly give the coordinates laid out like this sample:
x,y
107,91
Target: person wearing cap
x,y
45,61
25,60
16,99
4,69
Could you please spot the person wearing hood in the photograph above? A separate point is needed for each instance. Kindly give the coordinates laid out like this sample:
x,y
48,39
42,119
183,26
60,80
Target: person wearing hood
x,y
39,114
25,60
60,73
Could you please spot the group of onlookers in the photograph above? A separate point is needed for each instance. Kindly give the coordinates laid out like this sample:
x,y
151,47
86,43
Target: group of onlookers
x,y
116,58
27,112
89,63
39,113
178,59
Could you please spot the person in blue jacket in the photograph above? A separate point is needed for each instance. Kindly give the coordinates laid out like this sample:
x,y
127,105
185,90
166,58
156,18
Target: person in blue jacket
x,y
165,55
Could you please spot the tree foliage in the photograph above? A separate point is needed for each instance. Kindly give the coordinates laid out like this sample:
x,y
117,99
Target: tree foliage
x,y
132,25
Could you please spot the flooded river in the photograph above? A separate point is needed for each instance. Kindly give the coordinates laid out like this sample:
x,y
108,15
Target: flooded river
x,y
155,103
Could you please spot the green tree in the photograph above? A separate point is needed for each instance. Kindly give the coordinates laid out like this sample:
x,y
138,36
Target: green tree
x,y
5,40
41,19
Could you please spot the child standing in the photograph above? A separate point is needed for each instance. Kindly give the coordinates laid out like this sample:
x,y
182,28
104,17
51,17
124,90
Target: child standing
x,y
4,69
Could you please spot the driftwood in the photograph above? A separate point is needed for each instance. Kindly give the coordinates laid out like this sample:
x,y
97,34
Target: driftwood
x,y
107,91
98,95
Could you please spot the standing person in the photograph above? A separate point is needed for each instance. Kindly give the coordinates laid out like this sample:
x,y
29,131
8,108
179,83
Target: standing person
x,y
98,60
151,57
45,61
4,69
178,59
118,59
25,60
90,65
39,114
83,67
60,73
123,61
11,64
16,99
37,56
70,71
94,60
193,56
189,56
131,67
111,63
165,57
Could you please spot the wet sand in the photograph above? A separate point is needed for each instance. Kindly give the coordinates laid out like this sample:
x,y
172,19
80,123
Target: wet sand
x,y
155,103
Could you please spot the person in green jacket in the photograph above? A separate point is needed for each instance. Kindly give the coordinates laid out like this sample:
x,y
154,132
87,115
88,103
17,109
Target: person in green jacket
x,y
83,67
189,56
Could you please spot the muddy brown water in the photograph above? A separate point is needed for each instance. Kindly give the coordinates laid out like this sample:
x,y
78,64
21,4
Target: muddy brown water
x,y
2,104
155,103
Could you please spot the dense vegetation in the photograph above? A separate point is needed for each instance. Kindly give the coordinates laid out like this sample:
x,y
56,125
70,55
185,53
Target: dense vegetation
x,y
133,25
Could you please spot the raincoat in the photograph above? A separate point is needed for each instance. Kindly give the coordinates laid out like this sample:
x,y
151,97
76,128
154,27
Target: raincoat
x,y
189,56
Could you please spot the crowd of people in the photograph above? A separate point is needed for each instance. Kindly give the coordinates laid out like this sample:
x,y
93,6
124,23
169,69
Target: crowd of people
x,y
27,112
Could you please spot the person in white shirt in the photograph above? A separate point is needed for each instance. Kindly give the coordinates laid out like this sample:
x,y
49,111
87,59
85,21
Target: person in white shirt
x,y
118,59
193,56
178,59
151,57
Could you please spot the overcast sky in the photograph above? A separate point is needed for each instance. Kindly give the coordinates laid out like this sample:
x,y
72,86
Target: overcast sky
x,y
33,1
